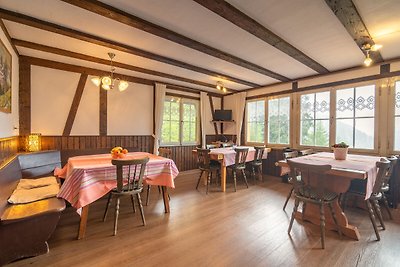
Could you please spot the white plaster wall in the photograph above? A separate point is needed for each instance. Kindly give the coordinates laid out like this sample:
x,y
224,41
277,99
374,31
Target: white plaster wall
x,y
130,112
52,94
229,103
87,117
9,122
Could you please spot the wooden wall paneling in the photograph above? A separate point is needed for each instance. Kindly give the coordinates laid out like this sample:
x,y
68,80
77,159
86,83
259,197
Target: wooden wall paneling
x,y
8,148
24,97
75,104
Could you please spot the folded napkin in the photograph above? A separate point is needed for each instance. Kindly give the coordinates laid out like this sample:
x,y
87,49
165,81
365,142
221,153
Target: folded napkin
x,y
30,190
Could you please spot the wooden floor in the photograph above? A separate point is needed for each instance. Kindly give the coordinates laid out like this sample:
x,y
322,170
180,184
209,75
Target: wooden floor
x,y
246,228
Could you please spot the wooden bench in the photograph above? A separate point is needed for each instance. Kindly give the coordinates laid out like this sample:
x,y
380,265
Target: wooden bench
x,y
25,228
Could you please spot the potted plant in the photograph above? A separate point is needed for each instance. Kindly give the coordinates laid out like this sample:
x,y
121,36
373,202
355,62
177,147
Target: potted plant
x,y
340,150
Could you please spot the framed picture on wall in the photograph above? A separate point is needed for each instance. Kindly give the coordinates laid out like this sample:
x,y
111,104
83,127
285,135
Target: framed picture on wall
x,y
5,79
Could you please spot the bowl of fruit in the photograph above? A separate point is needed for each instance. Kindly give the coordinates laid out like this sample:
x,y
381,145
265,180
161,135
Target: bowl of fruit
x,y
118,152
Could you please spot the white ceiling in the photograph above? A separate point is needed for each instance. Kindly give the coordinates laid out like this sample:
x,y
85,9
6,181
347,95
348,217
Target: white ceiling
x,y
309,25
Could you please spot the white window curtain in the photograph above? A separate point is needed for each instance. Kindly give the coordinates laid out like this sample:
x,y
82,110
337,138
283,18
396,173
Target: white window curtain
x,y
240,103
158,114
203,114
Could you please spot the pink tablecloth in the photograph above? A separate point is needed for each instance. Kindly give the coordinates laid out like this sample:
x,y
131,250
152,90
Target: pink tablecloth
x,y
229,154
353,162
88,178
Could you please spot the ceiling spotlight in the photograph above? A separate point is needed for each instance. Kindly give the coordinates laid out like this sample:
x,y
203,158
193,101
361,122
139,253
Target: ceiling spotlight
x,y
367,47
220,86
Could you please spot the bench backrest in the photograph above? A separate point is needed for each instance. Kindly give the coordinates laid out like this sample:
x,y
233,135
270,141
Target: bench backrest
x,y
9,177
39,164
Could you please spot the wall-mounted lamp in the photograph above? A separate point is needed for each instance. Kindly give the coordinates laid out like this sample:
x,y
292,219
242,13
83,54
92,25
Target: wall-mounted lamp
x,y
33,142
220,86
368,48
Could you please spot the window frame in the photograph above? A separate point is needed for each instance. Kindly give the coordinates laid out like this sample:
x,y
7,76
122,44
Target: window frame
x,y
290,120
377,120
298,119
391,116
247,121
182,101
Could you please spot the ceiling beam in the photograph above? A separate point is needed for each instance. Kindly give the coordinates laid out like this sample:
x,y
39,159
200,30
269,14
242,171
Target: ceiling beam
x,y
51,27
3,27
95,72
115,14
67,53
347,13
240,19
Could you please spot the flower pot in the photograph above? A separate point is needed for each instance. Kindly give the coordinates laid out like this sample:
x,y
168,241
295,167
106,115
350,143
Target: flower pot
x,y
340,153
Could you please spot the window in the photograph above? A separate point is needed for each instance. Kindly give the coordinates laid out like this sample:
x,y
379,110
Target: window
x,y
355,116
180,122
255,121
279,120
397,118
314,119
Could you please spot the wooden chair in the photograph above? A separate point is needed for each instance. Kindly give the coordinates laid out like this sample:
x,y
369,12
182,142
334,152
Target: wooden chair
x,y
306,152
385,184
165,153
240,164
372,202
311,189
131,171
290,155
206,165
211,146
257,161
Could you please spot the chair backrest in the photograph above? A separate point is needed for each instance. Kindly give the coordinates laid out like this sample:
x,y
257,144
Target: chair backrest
x,y
258,154
383,168
393,162
165,152
306,152
313,179
289,155
132,171
240,157
211,146
203,158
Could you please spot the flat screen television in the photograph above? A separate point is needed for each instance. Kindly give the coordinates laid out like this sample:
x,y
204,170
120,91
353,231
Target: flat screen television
x,y
222,115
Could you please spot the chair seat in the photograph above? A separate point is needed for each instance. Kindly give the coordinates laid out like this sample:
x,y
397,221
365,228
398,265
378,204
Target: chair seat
x,y
297,177
240,167
125,191
328,196
256,163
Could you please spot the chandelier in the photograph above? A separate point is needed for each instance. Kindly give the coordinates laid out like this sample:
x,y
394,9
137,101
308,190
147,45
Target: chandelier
x,y
109,82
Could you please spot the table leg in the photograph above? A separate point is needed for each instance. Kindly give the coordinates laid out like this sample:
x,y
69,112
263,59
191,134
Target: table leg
x,y
83,222
223,176
165,198
312,215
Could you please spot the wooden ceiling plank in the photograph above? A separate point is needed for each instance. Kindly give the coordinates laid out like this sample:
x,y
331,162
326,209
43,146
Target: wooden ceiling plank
x,y
90,71
51,27
6,33
347,13
240,19
115,14
67,53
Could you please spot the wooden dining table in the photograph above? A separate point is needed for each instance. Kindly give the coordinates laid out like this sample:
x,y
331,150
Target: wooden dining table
x,y
338,181
226,157
88,178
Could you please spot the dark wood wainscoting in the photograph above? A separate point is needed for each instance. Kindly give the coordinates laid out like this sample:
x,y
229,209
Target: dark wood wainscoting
x,y
8,148
183,157
142,142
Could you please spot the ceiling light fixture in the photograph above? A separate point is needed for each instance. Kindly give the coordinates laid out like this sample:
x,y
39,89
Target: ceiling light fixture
x,y
369,48
109,82
220,86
